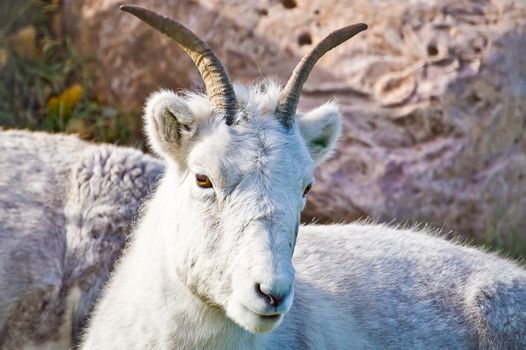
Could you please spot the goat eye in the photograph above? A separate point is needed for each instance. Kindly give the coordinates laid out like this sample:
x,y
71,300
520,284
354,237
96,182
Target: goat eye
x,y
203,181
307,189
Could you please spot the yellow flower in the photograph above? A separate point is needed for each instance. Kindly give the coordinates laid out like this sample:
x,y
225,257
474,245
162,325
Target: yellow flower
x,y
24,42
64,103
71,96
52,104
4,56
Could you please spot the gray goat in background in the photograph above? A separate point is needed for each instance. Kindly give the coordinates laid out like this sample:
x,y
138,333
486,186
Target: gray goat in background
x,y
66,207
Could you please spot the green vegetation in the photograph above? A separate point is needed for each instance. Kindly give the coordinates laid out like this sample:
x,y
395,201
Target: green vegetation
x,y
510,243
45,84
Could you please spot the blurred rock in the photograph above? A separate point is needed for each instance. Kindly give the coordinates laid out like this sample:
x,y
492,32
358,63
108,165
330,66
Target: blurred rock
x,y
433,94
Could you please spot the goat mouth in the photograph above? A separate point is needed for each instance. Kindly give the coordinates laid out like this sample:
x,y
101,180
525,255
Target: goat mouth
x,y
271,318
275,316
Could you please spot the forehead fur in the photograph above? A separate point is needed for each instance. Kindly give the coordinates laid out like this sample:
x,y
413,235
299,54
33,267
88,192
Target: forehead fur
x,y
256,100
253,146
264,141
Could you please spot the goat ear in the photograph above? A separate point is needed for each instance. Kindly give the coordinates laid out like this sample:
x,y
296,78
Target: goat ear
x,y
320,128
169,124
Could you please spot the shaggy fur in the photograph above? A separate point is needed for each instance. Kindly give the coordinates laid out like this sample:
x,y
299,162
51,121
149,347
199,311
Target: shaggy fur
x,y
65,209
202,262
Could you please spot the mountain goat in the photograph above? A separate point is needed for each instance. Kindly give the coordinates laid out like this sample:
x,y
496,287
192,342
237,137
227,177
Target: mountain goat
x,y
65,209
210,264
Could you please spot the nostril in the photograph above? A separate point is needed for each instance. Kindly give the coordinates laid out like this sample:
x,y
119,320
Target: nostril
x,y
272,300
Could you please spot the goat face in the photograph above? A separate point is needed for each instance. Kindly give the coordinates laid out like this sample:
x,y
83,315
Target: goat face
x,y
243,163
240,189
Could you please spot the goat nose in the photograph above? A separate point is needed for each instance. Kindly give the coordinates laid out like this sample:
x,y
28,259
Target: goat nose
x,y
273,298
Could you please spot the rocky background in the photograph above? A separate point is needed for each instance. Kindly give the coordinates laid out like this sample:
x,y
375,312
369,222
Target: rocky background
x,y
433,96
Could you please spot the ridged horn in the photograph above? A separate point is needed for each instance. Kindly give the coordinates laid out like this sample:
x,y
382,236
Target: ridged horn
x,y
288,100
218,87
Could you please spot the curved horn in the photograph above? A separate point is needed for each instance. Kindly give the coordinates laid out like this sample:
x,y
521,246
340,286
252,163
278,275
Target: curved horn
x,y
218,87
288,100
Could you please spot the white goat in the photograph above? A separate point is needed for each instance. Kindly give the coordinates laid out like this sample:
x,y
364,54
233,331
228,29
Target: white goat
x,y
210,263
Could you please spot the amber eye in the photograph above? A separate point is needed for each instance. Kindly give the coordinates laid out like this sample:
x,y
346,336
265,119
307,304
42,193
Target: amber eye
x,y
307,189
203,181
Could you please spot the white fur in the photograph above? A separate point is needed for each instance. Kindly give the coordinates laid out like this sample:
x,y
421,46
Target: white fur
x,y
190,276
